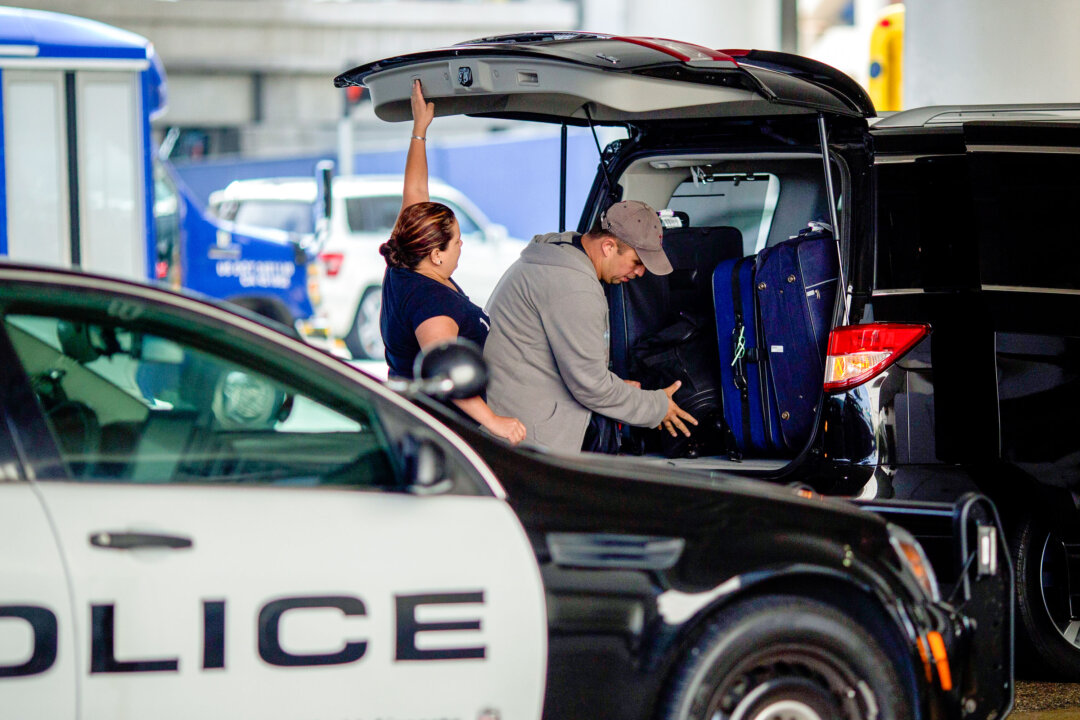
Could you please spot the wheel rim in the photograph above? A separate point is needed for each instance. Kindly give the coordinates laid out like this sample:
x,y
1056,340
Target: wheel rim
x,y
1056,561
791,683
368,332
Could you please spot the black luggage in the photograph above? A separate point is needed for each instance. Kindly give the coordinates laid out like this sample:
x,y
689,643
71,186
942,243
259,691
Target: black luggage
x,y
684,351
653,302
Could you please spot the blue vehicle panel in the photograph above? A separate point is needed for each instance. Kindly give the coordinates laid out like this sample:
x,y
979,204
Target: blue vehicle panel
x,y
170,239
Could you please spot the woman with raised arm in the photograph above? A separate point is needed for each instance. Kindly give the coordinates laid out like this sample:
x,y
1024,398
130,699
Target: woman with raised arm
x,y
421,303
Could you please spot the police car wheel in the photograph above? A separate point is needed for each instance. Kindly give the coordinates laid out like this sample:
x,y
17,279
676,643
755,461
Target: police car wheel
x,y
365,336
786,658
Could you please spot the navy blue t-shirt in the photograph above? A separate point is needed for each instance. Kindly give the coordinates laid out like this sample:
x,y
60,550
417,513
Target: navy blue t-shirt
x,y
408,299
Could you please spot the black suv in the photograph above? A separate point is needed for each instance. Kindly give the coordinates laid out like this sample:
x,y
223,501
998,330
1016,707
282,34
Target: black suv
x,y
953,330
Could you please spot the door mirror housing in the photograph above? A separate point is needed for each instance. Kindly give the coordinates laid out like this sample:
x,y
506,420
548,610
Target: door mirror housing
x,y
450,370
425,466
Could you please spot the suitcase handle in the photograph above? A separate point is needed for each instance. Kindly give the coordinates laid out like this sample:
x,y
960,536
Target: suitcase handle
x,y
738,363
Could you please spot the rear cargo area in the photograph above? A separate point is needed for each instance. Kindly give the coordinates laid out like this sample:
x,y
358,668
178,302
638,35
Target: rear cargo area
x,y
725,212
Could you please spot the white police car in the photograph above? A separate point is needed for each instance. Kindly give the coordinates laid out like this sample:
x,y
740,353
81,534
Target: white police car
x,y
203,516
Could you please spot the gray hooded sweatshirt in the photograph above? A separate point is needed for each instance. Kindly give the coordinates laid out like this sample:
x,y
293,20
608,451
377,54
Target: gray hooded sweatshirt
x,y
547,352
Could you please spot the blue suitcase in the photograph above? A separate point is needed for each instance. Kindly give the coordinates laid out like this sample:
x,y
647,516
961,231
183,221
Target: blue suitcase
x,y
748,407
795,282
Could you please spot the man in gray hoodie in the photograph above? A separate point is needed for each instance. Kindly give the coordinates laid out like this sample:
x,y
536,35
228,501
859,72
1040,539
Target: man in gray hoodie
x,y
547,352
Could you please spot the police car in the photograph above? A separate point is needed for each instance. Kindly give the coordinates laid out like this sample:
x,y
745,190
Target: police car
x,y
200,515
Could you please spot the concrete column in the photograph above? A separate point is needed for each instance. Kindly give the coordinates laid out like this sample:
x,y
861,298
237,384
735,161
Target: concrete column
x,y
991,51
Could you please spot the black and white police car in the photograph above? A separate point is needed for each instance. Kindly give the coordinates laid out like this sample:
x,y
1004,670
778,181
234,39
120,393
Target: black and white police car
x,y
200,515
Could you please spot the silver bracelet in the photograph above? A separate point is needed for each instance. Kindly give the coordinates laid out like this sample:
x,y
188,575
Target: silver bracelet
x,y
421,139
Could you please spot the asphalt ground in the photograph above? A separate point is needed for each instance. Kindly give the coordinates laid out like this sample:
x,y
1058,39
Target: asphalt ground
x,y
1046,701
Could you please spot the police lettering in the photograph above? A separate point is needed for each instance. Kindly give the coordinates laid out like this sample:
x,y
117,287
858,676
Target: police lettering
x,y
408,627
103,660
43,624
270,649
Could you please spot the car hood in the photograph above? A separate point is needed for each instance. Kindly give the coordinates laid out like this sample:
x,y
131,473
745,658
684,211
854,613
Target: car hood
x,y
580,78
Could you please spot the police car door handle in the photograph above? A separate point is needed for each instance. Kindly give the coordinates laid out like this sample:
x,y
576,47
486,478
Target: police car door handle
x,y
137,541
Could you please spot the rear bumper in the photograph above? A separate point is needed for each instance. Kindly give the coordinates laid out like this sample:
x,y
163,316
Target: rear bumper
x,y
963,644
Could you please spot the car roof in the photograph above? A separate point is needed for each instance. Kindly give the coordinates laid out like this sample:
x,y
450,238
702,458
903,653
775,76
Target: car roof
x,y
945,115
115,283
304,188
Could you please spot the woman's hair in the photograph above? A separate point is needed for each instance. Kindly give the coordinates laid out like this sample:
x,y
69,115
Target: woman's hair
x,y
420,228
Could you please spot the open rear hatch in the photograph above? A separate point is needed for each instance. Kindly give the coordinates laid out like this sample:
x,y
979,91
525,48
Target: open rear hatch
x,y
578,78
766,109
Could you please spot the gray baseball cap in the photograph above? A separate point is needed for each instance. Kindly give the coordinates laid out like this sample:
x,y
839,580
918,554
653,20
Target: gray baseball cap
x,y
638,225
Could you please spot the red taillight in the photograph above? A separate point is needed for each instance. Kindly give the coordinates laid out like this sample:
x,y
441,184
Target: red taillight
x,y
333,262
683,51
858,353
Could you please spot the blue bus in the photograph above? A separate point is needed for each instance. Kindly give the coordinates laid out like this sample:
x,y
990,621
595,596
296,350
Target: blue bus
x,y
81,186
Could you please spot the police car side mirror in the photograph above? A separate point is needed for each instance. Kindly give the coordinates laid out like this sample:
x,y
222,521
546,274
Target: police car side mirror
x,y
453,370
425,466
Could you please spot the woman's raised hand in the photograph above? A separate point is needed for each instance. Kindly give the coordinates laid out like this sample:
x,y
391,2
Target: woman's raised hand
x,y
423,112
507,427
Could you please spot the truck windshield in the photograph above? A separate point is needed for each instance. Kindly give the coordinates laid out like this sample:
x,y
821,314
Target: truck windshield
x,y
294,217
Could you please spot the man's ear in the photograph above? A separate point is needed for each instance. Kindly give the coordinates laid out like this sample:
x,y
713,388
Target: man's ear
x,y
609,246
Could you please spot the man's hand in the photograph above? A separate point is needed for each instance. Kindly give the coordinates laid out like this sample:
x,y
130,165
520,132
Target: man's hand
x,y
633,383
675,414
509,428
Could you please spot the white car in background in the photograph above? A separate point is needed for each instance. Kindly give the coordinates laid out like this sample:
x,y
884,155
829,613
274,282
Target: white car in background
x,y
364,210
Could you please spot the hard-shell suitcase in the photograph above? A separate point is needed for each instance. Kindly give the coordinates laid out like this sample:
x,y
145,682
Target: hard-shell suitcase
x,y
795,282
748,408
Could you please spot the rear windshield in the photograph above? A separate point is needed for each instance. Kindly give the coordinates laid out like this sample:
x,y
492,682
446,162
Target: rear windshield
x,y
746,201
373,214
294,217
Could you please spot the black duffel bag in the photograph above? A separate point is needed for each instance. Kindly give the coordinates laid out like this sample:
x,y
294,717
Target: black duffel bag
x,y
685,350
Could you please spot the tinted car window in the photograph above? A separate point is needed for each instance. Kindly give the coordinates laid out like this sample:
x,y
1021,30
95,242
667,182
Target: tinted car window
x,y
1025,214
375,214
926,234
293,217
132,407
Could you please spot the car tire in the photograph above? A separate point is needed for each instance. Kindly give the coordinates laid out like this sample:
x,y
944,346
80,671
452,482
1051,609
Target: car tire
x,y
786,657
365,336
1048,637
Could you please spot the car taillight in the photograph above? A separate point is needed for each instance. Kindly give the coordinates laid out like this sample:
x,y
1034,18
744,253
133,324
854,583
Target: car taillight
x,y
333,262
858,353
684,51
314,275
